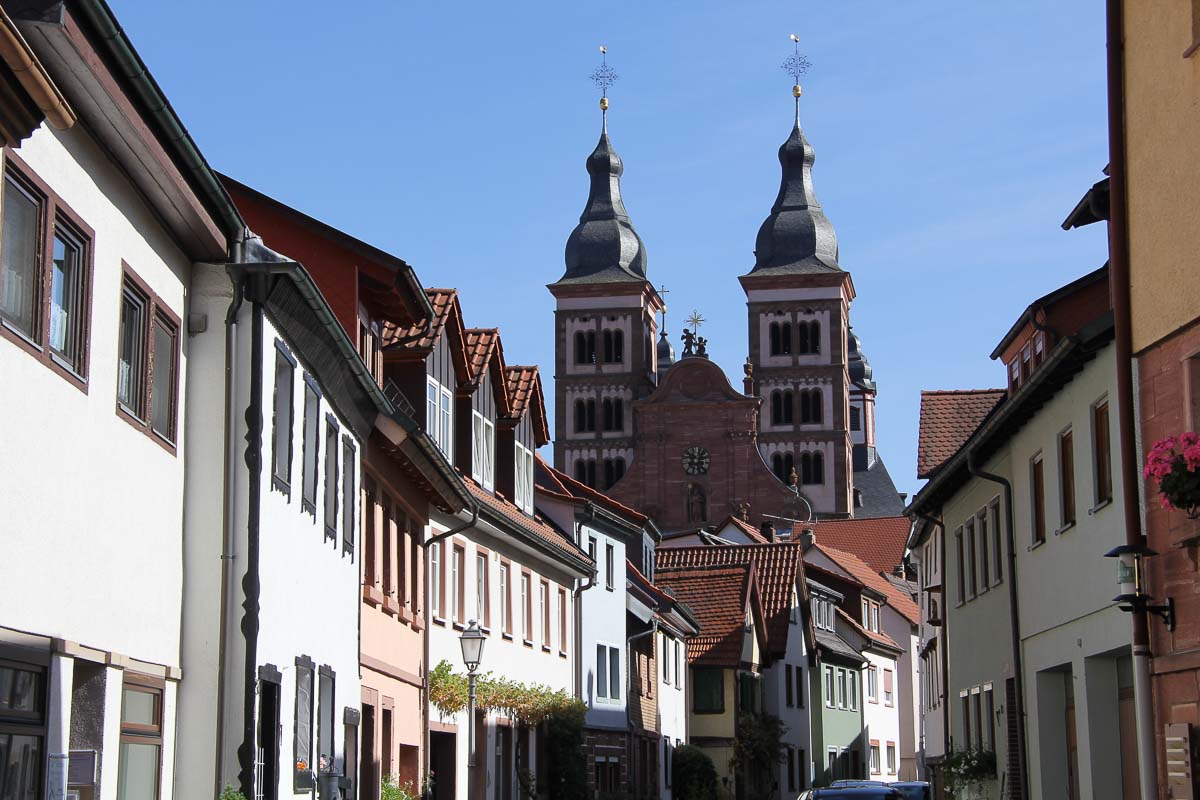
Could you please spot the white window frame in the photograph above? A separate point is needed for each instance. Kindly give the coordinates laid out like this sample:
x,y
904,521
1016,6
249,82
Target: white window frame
x,y
505,571
439,414
830,688
523,466
435,579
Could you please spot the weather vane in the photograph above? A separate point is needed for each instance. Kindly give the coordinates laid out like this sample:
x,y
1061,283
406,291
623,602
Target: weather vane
x,y
796,65
604,76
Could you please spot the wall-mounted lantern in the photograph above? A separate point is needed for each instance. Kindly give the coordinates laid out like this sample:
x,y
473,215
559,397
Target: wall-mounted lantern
x,y
1131,593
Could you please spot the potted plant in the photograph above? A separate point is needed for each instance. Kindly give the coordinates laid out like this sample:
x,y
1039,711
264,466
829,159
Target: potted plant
x,y
1175,463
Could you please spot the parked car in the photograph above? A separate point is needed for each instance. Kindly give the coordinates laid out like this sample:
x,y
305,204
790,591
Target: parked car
x,y
858,791
914,790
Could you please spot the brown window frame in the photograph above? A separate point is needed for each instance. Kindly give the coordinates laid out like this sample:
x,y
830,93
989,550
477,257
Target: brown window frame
x,y
136,733
369,537
283,483
506,623
156,310
563,632
1102,453
331,473
1037,498
547,612
527,609
459,553
53,213
483,603
1066,479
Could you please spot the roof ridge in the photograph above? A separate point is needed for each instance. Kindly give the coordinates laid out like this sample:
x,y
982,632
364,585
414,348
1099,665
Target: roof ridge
x,y
960,391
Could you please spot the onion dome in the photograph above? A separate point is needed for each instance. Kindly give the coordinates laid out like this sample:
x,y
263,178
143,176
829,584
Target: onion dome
x,y
604,247
860,370
797,237
666,354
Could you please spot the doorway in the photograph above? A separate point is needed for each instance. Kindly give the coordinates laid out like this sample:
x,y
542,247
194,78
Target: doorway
x,y
368,788
441,764
504,763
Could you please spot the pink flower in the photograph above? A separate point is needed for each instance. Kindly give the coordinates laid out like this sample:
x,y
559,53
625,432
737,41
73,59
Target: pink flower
x,y
1191,456
1188,439
1166,444
1165,503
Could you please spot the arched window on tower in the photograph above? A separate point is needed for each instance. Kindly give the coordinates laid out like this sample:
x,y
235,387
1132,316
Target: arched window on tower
x,y
782,465
585,416
785,339
781,407
585,471
614,347
581,354
811,406
855,418
614,470
773,337
613,414
812,468
814,337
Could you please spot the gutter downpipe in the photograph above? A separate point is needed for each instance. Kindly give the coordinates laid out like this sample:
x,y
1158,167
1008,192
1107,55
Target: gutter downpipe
x,y
1118,281
1014,611
228,554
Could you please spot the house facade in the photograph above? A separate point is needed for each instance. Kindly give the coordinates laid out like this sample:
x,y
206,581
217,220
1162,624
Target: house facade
x,y
838,741
102,236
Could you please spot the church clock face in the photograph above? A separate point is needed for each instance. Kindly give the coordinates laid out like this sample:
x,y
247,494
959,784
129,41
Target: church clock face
x,y
696,460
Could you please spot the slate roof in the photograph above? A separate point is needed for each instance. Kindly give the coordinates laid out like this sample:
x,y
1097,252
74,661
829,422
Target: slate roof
x,y
877,491
861,572
948,418
879,541
778,567
718,598
832,643
535,526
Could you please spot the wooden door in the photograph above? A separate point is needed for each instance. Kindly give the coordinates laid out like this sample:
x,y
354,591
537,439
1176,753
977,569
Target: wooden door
x,y
1127,728
1072,752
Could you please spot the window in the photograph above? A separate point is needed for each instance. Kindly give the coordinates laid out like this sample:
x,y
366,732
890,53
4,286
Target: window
x,y
665,658
888,691
989,714
779,338
483,611
810,337
458,569
585,347
783,466
562,621
325,723
1066,478
1037,495
348,494
972,574
852,677
1102,452
891,758
614,347
483,446
331,477
45,293
591,548
526,610
830,690
435,578
997,541
544,613
841,688
791,768
708,691
962,581
439,415
524,478
781,407
585,416
812,468
799,677
312,426
141,742
602,671
1014,374
369,537
269,734
787,685
147,360
614,470
303,732
350,750
811,406
873,684
608,672
609,561
22,730
505,600
283,421
875,617
585,471
985,571
855,418
874,757
1039,349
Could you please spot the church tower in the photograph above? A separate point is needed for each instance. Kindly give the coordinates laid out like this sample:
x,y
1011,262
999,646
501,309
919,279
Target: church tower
x,y
605,353
798,301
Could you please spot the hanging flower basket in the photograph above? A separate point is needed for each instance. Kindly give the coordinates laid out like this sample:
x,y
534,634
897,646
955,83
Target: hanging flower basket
x,y
1175,463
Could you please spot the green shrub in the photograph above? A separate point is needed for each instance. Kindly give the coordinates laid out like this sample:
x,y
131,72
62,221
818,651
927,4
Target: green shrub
x,y
693,774
230,793
566,773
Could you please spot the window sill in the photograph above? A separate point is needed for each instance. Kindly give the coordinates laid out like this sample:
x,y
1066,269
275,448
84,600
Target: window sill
x,y
406,615
143,427
506,636
1036,545
609,588
1064,529
459,626
331,534
527,643
1103,504
281,486
439,621
485,630
390,606
418,623
562,654
545,649
372,596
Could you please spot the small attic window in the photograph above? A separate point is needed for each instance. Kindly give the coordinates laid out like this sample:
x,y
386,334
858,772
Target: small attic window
x,y
858,501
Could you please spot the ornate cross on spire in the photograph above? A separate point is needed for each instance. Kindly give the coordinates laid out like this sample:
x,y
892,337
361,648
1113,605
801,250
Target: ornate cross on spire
x,y
695,320
796,65
662,314
604,76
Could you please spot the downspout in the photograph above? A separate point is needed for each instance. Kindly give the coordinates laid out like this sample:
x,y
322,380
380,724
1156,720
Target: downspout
x,y
428,621
1118,281
944,655
228,549
258,290
1014,612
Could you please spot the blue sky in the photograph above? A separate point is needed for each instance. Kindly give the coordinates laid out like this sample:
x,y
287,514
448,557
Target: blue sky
x,y
951,139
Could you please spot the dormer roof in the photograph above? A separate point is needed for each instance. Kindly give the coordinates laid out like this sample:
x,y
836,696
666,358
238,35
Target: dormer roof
x,y
525,394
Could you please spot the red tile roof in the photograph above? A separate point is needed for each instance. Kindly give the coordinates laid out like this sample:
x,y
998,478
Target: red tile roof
x,y
535,525
480,343
948,418
718,598
861,572
879,541
563,481
445,306
525,392
751,532
778,566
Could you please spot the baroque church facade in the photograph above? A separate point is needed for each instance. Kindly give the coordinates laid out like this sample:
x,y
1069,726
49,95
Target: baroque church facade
x,y
672,437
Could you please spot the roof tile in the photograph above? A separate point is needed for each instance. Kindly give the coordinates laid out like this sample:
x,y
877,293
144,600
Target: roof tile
x,y
534,525
861,572
879,541
948,418
717,598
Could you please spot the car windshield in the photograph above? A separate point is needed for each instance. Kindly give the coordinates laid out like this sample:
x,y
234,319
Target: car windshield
x,y
914,792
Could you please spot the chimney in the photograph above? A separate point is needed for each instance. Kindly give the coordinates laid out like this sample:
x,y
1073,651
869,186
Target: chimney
x,y
808,538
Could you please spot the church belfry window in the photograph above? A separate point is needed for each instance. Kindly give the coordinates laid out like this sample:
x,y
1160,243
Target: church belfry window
x,y
780,338
585,471
614,347
614,470
585,347
810,337
811,405
781,407
855,419
585,416
782,465
613,413
812,468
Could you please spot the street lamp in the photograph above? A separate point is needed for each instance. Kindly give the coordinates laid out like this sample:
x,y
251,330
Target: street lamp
x,y
472,640
1132,596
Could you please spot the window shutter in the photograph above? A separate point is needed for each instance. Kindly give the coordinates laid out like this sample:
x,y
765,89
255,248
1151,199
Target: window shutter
x,y
887,680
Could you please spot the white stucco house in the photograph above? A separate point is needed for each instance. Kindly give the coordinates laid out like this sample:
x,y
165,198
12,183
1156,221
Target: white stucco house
x,y
102,231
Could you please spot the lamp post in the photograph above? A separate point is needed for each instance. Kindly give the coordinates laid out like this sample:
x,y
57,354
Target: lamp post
x,y
472,640
1133,597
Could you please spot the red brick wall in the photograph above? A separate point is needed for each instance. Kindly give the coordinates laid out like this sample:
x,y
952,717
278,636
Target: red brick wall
x,y
1175,668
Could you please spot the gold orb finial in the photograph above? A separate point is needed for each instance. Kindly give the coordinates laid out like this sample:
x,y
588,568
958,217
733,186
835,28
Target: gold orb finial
x,y
604,104
796,91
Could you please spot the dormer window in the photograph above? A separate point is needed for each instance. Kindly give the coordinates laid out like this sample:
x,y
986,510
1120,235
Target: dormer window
x,y
368,345
1039,349
483,450
524,478
1014,374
